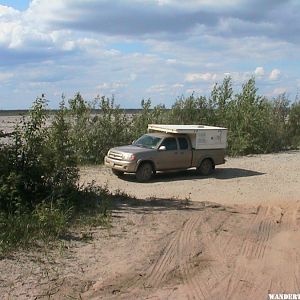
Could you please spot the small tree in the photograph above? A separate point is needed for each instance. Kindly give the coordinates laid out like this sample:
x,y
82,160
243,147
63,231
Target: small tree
x,y
294,125
65,172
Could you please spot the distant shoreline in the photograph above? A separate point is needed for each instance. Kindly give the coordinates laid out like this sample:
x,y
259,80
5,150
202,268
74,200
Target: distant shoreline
x,y
23,112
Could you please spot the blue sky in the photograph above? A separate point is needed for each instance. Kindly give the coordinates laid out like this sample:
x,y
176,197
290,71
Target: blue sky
x,y
17,4
135,49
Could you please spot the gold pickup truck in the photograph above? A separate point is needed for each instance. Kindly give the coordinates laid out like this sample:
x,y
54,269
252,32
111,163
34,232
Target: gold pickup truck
x,y
160,151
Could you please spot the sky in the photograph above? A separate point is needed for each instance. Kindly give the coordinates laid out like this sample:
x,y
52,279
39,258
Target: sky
x,y
140,49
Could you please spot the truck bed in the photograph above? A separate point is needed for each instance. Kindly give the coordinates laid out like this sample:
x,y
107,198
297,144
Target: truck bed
x,y
217,155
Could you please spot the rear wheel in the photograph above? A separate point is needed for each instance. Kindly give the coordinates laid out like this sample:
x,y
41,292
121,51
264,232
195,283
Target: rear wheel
x,y
117,172
206,167
144,172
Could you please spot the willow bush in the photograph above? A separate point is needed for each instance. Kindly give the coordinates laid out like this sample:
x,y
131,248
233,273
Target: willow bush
x,y
39,191
255,124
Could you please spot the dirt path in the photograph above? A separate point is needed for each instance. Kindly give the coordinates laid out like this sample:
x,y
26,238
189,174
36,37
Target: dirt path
x,y
238,239
219,253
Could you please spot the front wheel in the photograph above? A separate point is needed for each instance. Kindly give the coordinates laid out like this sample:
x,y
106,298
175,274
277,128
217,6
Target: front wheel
x,y
206,167
144,172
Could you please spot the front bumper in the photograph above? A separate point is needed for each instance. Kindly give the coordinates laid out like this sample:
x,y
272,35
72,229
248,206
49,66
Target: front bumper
x,y
122,165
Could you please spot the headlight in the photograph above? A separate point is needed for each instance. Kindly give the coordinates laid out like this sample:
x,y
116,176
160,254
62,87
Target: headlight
x,y
129,156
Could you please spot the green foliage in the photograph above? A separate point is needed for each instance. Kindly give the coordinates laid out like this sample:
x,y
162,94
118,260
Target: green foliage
x,y
63,159
245,121
51,220
108,129
44,224
39,165
188,111
95,206
39,193
294,125
148,115
203,110
256,124
92,135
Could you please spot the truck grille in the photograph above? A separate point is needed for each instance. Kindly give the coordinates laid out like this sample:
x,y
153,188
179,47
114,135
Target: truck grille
x,y
115,155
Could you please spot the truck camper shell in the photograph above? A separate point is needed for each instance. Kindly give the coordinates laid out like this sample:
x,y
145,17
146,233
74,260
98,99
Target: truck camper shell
x,y
201,136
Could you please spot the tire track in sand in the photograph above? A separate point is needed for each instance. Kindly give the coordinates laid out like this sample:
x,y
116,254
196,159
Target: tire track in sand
x,y
249,245
241,280
189,248
202,262
179,254
201,267
176,256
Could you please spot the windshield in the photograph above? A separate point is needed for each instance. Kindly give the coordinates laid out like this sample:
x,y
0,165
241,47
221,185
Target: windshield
x,y
147,141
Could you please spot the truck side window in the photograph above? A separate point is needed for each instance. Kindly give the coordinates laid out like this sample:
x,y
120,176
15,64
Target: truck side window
x,y
183,143
170,143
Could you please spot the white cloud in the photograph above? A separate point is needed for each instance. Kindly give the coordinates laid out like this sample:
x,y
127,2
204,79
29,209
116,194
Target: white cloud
x,y
195,90
171,61
116,46
195,77
68,45
5,76
174,89
22,32
279,91
275,74
133,77
192,4
111,86
177,85
157,88
259,72
7,12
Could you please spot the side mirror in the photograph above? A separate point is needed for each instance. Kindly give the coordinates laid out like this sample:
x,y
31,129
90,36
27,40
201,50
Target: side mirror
x,y
162,148
132,142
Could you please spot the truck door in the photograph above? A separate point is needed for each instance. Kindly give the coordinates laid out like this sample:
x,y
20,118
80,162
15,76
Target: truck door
x,y
184,153
167,159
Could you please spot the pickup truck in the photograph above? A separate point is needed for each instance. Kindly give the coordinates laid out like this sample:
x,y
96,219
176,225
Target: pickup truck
x,y
160,151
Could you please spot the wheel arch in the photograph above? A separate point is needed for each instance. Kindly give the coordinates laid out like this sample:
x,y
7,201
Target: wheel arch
x,y
146,161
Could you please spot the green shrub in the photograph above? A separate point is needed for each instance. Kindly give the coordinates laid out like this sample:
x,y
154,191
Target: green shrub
x,y
42,225
92,135
39,191
256,124
294,125
148,115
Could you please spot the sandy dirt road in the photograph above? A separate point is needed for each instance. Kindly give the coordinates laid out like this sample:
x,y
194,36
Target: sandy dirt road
x,y
245,180
234,235
218,253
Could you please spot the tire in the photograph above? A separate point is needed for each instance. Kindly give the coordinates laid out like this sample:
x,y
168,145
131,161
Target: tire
x,y
117,172
206,167
144,172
